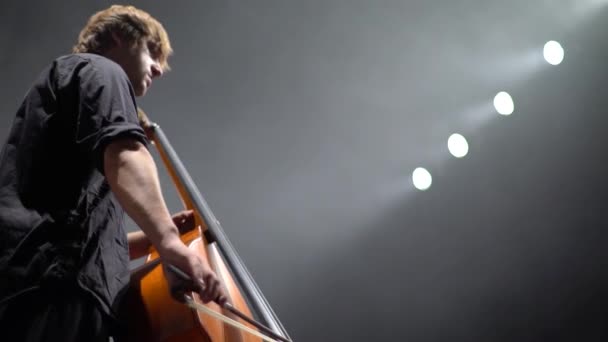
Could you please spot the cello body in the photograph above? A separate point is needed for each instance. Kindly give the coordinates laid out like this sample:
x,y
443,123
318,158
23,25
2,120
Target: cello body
x,y
149,311
155,316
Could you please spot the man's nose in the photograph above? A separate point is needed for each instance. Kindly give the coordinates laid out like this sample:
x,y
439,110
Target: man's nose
x,y
157,71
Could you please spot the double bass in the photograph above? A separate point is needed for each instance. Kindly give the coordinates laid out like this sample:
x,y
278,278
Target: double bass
x,y
151,313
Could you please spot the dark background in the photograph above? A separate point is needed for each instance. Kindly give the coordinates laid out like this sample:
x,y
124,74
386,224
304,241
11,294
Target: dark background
x,y
302,121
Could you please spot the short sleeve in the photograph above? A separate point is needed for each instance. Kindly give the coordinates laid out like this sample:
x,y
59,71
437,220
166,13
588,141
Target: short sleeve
x,y
106,109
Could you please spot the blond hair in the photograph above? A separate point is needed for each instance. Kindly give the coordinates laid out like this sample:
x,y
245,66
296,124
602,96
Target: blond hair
x,y
133,25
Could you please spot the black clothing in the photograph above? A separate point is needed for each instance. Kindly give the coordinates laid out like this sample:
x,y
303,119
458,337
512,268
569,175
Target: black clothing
x,y
60,224
65,314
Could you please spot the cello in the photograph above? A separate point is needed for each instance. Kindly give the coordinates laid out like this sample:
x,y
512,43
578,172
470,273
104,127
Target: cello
x,y
151,313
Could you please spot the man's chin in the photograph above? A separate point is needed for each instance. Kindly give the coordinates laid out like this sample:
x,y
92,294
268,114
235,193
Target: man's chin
x,y
140,92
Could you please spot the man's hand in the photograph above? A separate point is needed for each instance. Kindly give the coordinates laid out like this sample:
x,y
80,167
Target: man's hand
x,y
204,280
184,220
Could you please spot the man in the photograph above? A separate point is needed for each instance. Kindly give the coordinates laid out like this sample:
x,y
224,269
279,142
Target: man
x,y
75,157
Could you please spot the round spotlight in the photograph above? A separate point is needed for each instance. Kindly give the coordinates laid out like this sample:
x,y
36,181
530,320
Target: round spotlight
x,y
422,179
504,103
553,52
458,145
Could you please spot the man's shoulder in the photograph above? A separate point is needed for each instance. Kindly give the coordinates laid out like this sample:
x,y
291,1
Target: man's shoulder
x,y
86,58
88,65
79,60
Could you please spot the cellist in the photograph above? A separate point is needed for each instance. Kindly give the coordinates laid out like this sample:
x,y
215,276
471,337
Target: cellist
x,y
75,159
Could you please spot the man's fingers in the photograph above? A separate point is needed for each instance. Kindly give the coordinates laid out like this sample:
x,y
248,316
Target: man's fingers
x,y
212,290
185,214
182,215
184,220
207,285
221,300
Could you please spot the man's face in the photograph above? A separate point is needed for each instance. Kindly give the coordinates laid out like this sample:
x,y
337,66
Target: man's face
x,y
139,65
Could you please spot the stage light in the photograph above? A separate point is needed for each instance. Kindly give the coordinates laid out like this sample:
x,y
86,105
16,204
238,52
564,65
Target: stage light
x,y
422,179
553,52
458,145
504,103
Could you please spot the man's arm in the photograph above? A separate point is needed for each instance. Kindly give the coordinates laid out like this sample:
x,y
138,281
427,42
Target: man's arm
x,y
132,175
139,244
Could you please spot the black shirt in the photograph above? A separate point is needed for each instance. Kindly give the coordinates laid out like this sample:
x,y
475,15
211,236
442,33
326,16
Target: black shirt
x,y
59,221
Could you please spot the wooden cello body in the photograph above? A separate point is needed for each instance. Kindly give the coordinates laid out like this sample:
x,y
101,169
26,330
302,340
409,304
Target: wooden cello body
x,y
151,314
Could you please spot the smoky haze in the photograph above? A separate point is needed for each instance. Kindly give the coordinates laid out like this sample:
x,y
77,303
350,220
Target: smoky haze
x,y
302,121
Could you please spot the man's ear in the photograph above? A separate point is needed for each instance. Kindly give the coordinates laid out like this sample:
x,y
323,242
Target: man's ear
x,y
117,40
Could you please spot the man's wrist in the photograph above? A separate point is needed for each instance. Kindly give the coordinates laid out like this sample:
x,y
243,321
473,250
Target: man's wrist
x,y
169,240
